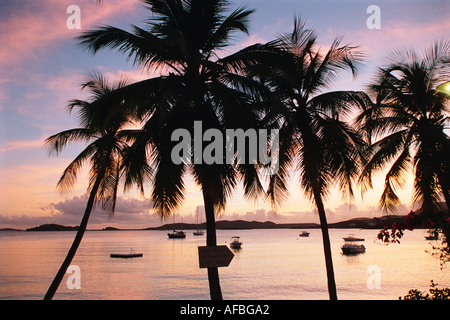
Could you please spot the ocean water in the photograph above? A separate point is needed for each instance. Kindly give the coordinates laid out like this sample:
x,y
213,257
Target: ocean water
x,y
273,264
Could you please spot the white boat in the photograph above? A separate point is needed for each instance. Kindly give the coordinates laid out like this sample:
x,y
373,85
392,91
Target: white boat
x,y
351,246
304,234
235,242
352,238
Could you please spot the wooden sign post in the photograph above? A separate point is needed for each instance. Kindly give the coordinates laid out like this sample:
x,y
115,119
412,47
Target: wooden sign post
x,y
218,256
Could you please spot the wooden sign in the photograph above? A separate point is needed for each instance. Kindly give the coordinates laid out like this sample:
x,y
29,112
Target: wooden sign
x,y
218,256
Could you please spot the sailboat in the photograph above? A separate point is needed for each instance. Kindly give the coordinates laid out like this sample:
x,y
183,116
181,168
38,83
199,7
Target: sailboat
x,y
176,234
198,232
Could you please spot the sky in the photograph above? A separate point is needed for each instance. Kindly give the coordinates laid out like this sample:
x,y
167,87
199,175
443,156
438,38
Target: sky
x,y
42,67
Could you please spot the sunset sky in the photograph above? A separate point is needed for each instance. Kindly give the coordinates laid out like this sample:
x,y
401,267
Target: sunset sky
x,y
42,65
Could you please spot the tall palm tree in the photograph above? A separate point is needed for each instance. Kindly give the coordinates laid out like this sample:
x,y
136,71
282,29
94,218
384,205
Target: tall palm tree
x,y
101,120
315,139
407,124
183,39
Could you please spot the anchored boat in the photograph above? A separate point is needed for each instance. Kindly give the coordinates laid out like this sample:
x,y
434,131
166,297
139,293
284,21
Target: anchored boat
x,y
132,254
351,245
198,232
352,238
177,235
235,242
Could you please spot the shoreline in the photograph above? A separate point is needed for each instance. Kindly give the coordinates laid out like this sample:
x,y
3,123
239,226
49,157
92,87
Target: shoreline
x,y
355,223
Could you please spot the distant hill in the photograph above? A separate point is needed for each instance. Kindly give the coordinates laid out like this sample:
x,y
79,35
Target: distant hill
x,y
53,227
367,223
362,223
110,229
224,224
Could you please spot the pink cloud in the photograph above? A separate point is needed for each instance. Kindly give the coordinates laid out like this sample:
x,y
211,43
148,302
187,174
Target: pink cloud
x,y
37,27
130,213
398,35
7,146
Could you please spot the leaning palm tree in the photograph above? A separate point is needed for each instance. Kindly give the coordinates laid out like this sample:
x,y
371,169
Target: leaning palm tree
x,y
315,138
183,40
407,124
101,120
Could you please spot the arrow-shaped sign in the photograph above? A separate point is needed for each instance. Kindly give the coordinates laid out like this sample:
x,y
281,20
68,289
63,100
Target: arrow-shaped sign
x,y
217,256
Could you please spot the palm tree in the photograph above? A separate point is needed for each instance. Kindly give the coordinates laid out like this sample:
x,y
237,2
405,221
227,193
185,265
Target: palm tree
x,y
183,39
314,138
101,120
407,124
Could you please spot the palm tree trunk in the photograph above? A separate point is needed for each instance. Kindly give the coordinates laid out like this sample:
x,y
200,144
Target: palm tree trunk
x,y
76,242
326,247
211,241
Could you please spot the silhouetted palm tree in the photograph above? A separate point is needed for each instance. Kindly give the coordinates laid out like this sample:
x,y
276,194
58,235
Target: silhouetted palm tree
x,y
184,39
101,119
315,140
408,123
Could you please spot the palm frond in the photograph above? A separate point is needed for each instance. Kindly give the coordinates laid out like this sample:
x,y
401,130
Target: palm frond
x,y
70,174
407,105
395,179
136,164
236,21
338,104
168,186
57,142
343,147
426,190
381,153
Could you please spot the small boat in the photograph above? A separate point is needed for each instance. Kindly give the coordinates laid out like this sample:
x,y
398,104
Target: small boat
x,y
235,242
177,235
198,232
352,238
304,234
132,254
350,247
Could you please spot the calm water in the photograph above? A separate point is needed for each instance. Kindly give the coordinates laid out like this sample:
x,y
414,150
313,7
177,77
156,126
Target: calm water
x,y
272,264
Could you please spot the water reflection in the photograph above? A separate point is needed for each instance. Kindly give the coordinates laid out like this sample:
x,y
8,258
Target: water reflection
x,y
272,264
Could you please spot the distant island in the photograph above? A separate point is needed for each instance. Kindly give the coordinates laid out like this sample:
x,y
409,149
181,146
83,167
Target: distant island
x,y
53,227
356,223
